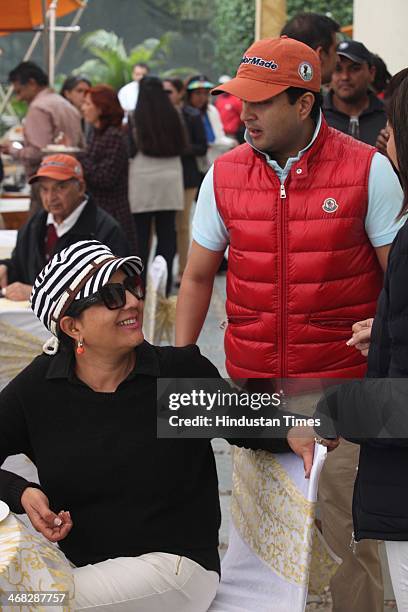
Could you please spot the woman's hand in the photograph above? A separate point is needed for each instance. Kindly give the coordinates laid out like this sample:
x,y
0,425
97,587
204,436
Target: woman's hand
x,y
361,336
54,527
302,440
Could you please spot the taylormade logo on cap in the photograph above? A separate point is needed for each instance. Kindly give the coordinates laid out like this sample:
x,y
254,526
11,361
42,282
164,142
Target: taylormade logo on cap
x,y
259,61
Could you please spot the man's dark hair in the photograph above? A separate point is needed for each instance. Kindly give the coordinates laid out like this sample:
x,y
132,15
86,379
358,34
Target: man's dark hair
x,y
26,71
294,94
397,111
312,29
382,76
159,131
142,65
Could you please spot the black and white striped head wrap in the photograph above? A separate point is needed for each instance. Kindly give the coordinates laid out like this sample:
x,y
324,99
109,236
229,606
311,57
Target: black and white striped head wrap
x,y
77,272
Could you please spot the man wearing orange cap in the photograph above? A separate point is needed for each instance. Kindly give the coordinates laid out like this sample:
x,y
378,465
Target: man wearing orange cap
x,y
68,216
308,215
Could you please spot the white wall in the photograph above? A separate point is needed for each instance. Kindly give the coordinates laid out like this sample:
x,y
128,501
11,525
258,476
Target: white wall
x,y
382,25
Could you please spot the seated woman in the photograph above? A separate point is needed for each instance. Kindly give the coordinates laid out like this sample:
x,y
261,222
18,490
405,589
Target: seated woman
x,y
138,516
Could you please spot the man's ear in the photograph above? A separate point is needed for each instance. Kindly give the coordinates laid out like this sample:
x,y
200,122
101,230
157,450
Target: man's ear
x,y
319,50
69,326
305,103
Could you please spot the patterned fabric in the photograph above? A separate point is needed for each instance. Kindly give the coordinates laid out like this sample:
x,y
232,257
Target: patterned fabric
x,y
105,165
73,274
17,349
30,563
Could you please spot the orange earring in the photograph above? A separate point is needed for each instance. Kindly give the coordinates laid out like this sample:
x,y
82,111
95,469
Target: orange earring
x,y
80,347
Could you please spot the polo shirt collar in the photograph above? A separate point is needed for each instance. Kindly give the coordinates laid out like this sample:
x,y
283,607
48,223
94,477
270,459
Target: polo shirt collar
x,y
147,363
67,224
283,172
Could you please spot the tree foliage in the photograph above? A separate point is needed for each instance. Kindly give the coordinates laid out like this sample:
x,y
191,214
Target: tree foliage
x,y
112,63
339,10
233,24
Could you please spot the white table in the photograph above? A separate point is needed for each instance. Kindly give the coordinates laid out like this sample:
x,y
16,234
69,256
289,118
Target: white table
x,y
11,204
7,242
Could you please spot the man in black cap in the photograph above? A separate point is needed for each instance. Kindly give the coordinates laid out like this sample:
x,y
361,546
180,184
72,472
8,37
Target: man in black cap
x,y
351,106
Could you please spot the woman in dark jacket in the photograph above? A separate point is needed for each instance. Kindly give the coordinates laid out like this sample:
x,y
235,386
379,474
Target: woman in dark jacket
x,y
105,161
196,147
374,412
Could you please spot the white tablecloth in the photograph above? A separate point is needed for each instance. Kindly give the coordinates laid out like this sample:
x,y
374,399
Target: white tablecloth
x,y
7,242
28,562
14,205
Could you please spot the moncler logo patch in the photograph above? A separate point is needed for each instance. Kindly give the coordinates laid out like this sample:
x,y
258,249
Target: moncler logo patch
x,y
330,205
305,71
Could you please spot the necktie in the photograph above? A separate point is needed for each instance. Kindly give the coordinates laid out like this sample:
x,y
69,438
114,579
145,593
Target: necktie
x,y
51,240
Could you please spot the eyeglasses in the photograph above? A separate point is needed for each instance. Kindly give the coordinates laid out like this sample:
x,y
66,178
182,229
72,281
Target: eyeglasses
x,y
168,91
112,295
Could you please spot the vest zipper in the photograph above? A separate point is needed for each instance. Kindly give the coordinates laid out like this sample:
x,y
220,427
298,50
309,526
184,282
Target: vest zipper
x,y
283,289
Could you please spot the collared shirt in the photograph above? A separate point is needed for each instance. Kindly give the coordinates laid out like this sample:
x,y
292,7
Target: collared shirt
x,y
47,116
384,202
371,121
68,223
98,454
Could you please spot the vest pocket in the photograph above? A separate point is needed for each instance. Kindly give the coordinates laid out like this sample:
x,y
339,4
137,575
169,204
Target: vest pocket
x,y
240,320
340,324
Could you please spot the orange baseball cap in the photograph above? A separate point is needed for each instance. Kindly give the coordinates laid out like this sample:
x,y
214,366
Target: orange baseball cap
x,y
59,167
272,65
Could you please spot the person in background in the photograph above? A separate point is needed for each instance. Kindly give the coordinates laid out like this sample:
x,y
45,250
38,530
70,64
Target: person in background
x,y
382,76
318,32
128,94
68,216
196,147
384,135
198,96
74,90
105,160
351,106
49,118
230,108
155,172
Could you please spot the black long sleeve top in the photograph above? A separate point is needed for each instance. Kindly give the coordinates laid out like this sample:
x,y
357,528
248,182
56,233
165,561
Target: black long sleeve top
x,y
98,456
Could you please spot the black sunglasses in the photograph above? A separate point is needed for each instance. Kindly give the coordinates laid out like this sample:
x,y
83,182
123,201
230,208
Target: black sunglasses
x,y
112,295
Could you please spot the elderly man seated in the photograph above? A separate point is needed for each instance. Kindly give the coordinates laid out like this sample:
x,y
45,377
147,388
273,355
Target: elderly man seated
x,y
68,216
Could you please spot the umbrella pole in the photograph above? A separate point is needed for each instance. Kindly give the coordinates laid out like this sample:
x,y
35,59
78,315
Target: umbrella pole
x,y
51,41
68,35
45,33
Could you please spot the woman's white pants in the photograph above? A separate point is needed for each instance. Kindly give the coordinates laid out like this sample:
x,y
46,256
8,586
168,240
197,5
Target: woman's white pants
x,y
155,582
397,553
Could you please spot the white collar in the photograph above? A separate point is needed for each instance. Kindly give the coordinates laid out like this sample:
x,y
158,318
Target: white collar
x,y
68,223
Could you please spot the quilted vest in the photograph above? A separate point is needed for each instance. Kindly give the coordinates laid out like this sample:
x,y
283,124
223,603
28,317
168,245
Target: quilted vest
x,y
301,269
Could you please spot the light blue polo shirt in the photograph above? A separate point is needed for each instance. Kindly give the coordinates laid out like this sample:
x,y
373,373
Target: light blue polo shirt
x,y
384,202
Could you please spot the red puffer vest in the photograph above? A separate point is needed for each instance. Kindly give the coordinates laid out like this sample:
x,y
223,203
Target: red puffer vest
x,y
301,269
